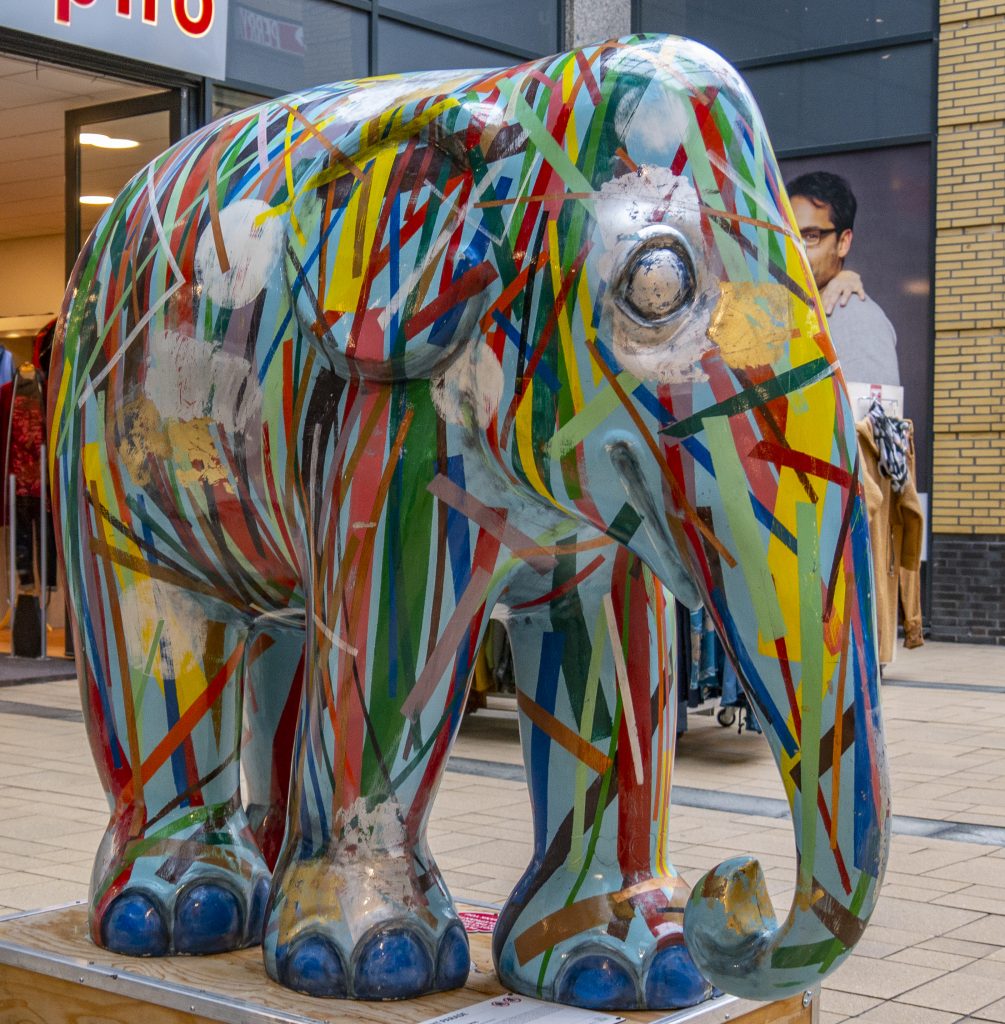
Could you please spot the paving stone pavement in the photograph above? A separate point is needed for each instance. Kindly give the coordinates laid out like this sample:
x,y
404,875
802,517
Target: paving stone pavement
x,y
934,952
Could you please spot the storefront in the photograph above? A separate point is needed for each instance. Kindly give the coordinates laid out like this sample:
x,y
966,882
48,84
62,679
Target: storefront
x,y
77,123
92,90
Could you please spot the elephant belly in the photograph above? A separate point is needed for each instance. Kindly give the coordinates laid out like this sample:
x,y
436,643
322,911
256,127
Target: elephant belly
x,y
187,502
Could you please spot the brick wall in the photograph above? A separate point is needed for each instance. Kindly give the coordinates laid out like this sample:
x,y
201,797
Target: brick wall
x,y
968,481
967,604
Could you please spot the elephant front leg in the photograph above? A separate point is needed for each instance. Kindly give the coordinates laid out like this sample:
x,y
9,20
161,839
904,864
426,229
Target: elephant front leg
x,y
272,697
597,918
359,908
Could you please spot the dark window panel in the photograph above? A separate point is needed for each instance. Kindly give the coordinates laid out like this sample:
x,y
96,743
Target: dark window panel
x,y
227,101
526,24
851,99
296,44
743,30
403,48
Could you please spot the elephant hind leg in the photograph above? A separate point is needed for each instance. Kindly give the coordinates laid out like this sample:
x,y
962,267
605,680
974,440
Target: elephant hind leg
x,y
597,918
178,869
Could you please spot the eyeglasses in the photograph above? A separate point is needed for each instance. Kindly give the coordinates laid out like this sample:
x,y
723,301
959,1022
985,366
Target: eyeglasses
x,y
812,236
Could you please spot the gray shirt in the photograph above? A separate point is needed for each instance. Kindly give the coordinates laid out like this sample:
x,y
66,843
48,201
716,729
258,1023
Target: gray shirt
x,y
865,342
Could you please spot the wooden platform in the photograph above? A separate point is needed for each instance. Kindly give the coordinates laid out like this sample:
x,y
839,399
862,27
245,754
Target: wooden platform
x,y
51,973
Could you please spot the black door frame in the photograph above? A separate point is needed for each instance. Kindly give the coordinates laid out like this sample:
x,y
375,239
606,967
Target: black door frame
x,y
171,100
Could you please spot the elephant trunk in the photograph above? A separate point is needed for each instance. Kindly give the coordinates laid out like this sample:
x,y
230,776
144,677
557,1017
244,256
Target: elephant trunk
x,y
787,577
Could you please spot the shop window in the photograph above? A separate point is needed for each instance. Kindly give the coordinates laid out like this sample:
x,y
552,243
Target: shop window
x,y
892,249
404,48
524,24
228,101
298,45
744,31
885,95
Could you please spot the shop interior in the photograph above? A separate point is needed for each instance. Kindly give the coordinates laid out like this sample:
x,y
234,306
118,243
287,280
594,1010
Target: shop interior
x,y
69,141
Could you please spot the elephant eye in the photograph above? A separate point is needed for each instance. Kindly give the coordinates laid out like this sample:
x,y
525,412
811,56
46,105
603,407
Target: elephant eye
x,y
658,281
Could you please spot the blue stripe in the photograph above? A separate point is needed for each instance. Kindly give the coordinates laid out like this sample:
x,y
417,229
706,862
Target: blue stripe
x,y
867,851
545,695
543,371
753,685
393,253
101,685
766,518
458,536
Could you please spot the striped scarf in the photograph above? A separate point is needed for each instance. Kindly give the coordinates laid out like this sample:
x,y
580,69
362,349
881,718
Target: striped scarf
x,y
892,437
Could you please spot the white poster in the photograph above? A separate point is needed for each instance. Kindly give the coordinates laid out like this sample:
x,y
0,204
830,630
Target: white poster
x,y
189,35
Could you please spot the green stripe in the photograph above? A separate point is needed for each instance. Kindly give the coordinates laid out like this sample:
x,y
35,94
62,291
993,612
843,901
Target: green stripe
x,y
805,956
750,398
747,540
811,658
544,142
733,259
589,418
583,773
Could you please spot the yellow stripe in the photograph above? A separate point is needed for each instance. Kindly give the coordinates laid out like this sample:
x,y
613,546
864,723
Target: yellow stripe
x,y
290,188
564,327
585,305
525,440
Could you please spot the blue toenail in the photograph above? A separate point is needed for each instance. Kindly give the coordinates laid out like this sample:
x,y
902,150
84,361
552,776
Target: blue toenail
x,y
598,981
674,981
392,964
454,960
312,965
256,915
134,925
207,919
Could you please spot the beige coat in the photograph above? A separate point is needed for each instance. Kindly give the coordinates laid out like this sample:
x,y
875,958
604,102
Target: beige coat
x,y
896,527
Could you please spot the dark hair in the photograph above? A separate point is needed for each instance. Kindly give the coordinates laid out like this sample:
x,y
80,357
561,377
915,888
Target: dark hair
x,y
826,189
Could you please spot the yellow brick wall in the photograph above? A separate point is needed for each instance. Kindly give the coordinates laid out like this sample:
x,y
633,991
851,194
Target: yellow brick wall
x,y
968,485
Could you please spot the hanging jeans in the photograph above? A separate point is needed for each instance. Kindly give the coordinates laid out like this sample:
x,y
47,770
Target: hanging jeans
x,y
27,542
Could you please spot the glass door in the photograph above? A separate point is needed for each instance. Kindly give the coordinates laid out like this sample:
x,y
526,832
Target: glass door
x,y
105,146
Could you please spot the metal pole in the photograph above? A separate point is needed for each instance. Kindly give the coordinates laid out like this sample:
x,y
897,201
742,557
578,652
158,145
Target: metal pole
x,y
11,553
43,547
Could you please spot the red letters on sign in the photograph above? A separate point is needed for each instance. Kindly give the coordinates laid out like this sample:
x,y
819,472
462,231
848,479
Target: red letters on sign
x,y
200,24
63,9
125,9
195,25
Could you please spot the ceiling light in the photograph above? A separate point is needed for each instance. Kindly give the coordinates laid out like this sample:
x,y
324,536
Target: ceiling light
x,y
106,141
96,200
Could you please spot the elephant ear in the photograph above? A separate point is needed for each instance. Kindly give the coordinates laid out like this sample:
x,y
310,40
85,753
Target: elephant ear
x,y
385,267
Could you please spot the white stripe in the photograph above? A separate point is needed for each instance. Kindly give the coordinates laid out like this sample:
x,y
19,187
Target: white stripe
x,y
93,384
621,672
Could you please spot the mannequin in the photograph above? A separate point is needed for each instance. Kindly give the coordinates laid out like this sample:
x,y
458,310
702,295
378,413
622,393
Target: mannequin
x,y
22,415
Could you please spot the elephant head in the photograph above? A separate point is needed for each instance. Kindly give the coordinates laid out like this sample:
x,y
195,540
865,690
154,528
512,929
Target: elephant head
x,y
628,322
699,388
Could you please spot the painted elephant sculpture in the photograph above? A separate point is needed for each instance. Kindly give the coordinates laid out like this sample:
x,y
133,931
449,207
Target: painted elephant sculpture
x,y
337,375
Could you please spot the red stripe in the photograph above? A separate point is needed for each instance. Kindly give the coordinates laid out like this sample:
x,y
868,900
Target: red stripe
x,y
588,80
563,588
468,284
801,462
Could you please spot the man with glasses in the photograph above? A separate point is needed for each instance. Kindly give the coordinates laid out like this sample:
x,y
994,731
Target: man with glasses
x,y
863,337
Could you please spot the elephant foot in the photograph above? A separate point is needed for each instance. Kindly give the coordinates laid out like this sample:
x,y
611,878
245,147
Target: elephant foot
x,y
599,951
355,933
204,894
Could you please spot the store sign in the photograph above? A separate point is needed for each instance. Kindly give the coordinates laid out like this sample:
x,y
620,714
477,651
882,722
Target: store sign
x,y
190,35
263,30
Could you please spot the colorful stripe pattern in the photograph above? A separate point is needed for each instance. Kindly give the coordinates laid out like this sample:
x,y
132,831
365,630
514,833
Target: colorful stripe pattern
x,y
340,373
